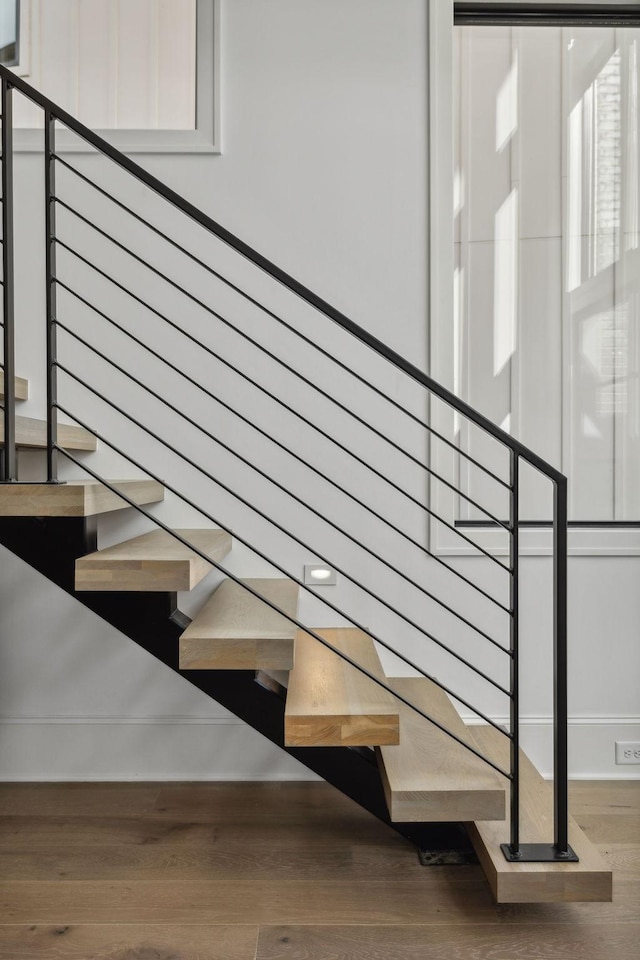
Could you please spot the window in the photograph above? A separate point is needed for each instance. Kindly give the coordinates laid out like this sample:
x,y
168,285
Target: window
x,y
141,72
9,32
546,331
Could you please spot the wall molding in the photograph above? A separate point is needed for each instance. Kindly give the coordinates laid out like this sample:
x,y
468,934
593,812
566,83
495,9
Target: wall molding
x,y
143,748
171,748
120,721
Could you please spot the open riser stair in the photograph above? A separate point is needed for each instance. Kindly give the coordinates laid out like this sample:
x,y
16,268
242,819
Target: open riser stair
x,y
396,745
426,778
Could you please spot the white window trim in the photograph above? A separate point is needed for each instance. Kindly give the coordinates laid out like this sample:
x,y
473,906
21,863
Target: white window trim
x,y
23,67
583,541
206,136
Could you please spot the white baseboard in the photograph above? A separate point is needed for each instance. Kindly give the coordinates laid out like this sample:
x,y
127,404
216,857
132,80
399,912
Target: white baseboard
x,y
140,748
224,748
591,745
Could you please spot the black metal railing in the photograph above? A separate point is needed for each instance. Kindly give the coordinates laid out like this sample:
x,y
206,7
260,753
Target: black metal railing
x,y
65,296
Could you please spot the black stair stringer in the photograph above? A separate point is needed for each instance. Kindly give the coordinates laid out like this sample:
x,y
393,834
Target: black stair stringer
x,y
52,544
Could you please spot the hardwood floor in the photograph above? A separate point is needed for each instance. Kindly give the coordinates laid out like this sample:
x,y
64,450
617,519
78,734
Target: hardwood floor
x,y
278,871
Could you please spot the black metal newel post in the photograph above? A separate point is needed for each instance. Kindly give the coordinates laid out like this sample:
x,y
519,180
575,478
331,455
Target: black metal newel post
x,y
514,549
10,463
560,704
50,268
559,850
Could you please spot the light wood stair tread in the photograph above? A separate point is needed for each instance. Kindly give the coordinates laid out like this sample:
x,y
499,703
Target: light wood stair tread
x,y
20,388
428,776
77,498
237,631
33,433
329,702
155,561
590,879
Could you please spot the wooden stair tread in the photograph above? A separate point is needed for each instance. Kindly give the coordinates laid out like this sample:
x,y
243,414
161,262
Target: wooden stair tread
x,y
237,631
329,702
77,498
590,879
155,561
20,388
428,776
33,433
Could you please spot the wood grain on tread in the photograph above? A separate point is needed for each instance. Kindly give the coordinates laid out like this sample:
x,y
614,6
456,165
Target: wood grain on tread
x,y
430,777
590,879
156,561
20,390
236,631
77,498
33,433
329,702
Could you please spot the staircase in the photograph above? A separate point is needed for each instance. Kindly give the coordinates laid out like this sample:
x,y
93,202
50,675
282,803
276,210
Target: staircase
x,y
397,745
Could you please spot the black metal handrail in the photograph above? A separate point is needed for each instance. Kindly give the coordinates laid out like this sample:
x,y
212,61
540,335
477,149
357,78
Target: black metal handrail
x,y
517,451
194,213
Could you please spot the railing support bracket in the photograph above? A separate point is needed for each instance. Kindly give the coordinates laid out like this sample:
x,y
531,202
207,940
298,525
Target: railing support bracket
x,y
538,853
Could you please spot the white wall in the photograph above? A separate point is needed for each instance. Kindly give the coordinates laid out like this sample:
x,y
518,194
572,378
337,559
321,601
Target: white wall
x,y
324,168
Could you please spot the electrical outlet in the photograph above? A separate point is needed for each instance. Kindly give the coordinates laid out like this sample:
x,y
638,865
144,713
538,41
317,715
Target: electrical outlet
x,y
627,751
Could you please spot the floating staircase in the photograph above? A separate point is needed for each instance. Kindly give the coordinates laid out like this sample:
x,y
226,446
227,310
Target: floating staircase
x,y
397,746
426,777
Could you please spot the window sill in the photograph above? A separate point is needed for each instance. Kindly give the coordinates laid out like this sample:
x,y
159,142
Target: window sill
x,y
127,141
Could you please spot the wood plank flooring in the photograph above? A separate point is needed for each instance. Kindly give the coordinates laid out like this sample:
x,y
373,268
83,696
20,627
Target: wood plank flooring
x,y
277,871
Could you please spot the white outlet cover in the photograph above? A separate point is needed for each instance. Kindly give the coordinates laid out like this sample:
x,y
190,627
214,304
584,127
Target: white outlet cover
x,y
627,751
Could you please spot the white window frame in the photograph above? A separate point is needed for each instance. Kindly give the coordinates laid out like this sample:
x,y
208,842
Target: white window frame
x,y
536,541
205,138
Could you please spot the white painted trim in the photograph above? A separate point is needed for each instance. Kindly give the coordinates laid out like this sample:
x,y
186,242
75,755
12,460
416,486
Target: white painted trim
x,y
582,542
204,139
23,67
165,748
152,748
591,744
119,721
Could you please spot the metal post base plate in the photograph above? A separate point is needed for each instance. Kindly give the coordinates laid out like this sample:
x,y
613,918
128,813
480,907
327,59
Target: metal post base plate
x,y
538,853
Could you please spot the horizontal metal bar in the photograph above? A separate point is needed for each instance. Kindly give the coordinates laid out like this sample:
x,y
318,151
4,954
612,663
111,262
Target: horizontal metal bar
x,y
287,367
198,216
293,496
587,524
295,413
263,556
328,396
205,266
546,14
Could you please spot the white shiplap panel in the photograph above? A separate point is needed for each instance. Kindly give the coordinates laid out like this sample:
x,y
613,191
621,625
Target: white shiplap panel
x,y
58,49
540,367
97,55
540,131
176,47
137,64
487,148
